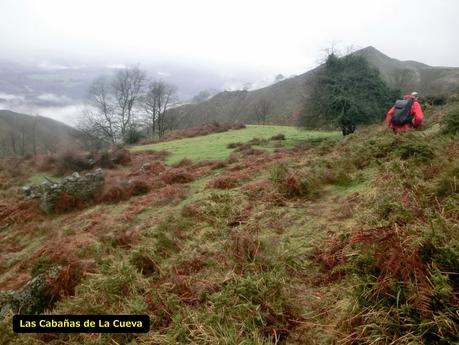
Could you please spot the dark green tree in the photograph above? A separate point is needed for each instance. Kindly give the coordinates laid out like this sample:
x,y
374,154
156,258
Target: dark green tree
x,y
346,92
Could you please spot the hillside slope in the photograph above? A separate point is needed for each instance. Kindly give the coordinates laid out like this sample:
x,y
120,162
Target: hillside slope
x,y
412,75
22,134
286,97
341,241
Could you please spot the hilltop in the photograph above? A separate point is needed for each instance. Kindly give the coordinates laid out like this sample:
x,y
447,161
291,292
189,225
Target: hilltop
x,y
287,96
281,239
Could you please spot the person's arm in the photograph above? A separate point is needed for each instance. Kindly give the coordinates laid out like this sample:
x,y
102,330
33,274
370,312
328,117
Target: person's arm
x,y
389,115
418,116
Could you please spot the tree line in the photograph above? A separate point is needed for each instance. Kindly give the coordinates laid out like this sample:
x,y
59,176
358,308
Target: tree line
x,y
128,107
19,142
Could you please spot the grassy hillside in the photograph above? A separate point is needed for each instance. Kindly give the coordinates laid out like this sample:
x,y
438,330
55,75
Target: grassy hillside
x,y
350,241
215,146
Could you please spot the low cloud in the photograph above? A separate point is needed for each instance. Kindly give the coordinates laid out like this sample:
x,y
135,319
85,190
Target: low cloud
x,y
164,74
53,98
50,66
68,114
10,97
117,66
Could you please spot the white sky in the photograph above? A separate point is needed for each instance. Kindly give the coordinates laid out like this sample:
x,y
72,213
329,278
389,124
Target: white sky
x,y
277,36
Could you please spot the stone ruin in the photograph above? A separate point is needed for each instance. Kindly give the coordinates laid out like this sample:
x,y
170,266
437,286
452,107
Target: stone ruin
x,y
32,298
83,188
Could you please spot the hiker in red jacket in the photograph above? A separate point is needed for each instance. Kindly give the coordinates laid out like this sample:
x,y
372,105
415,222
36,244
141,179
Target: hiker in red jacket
x,y
405,114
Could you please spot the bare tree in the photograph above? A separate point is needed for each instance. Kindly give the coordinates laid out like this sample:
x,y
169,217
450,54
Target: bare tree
x,y
156,102
23,142
34,135
13,142
3,146
99,119
171,121
150,105
237,106
261,109
127,87
110,114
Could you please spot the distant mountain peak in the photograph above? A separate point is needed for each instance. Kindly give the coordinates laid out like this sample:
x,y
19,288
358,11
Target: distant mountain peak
x,y
371,51
377,57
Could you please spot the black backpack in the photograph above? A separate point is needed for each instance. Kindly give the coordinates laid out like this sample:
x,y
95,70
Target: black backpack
x,y
402,112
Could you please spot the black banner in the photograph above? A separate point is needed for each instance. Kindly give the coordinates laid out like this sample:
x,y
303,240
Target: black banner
x,y
81,323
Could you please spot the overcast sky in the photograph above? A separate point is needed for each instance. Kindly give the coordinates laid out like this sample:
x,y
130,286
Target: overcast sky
x,y
284,36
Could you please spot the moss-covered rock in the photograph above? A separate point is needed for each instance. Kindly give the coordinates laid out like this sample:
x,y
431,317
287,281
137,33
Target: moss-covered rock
x,y
32,298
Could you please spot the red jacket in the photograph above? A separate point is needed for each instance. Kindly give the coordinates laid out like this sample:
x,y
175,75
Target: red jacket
x,y
416,113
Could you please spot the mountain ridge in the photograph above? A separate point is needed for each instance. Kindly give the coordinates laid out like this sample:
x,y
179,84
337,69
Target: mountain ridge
x,y
286,97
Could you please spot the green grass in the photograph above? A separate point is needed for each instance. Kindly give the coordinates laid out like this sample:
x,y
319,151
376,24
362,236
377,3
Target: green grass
x,y
214,146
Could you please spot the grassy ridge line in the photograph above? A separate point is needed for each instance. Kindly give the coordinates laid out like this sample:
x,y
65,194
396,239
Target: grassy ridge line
x,y
214,146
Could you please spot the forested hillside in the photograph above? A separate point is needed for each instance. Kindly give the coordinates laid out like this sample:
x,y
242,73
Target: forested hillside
x,y
22,135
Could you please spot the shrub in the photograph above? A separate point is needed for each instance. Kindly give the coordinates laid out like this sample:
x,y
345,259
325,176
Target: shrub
x,y
183,163
137,187
294,184
448,182
104,160
414,146
233,145
154,168
392,211
133,136
347,92
435,100
120,156
113,194
450,123
176,175
225,182
278,172
279,136
71,161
